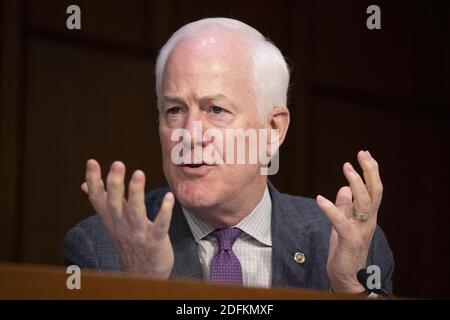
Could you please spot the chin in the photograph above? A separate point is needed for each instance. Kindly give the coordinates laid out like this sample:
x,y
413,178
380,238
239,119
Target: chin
x,y
194,194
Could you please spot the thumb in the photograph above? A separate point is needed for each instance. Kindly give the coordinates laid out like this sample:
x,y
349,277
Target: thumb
x,y
333,214
162,221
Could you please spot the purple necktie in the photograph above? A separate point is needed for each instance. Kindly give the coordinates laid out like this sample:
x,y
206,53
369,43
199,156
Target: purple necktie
x,y
225,266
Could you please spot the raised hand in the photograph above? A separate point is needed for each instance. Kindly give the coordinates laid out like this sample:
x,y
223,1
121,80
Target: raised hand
x,y
354,223
144,246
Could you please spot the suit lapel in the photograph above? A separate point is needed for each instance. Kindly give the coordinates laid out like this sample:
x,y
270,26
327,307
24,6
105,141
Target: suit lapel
x,y
187,261
289,236
291,233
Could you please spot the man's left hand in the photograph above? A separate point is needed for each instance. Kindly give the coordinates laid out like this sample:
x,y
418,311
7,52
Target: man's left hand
x,y
351,236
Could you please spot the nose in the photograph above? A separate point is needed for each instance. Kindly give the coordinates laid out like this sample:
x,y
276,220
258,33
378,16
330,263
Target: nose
x,y
192,121
194,128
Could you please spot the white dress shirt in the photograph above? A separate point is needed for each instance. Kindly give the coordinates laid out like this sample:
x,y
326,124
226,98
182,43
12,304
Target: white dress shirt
x,y
253,247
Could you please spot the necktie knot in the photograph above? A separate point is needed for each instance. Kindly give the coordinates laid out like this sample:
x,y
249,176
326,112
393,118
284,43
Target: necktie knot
x,y
226,237
225,266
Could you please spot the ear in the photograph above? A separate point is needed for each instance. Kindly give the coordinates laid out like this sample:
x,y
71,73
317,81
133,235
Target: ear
x,y
279,120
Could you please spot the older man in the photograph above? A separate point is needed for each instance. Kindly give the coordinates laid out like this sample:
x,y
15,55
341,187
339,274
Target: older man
x,y
222,221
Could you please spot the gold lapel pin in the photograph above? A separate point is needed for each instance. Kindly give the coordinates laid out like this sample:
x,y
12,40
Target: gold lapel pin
x,y
299,257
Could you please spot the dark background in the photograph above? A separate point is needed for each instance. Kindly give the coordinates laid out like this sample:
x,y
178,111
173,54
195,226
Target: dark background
x,y
67,96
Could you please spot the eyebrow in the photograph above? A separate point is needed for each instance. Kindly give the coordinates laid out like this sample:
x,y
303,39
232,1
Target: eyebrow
x,y
215,96
208,97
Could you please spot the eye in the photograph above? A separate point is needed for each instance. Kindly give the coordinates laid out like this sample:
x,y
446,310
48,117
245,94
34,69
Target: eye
x,y
217,110
173,110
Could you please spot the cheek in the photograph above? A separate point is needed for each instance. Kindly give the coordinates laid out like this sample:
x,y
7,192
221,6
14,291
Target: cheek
x,y
164,137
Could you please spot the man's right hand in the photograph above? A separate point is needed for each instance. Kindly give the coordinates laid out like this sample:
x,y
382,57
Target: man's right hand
x,y
144,246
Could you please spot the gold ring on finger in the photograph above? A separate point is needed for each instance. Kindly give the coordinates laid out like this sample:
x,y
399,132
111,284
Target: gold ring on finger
x,y
361,216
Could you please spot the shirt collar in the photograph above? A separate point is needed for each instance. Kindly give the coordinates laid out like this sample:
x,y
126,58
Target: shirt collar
x,y
257,224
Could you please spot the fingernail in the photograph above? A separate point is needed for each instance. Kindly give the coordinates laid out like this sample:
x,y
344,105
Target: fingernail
x,y
115,167
89,163
349,166
320,198
368,154
138,174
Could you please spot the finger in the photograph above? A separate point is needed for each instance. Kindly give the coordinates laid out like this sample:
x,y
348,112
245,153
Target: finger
x,y
337,218
371,176
115,190
344,201
85,188
162,221
94,187
136,199
362,202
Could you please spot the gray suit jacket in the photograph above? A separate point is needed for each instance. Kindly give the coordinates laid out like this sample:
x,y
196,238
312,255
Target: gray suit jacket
x,y
298,225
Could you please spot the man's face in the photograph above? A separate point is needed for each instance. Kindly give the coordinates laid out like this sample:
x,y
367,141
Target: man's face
x,y
207,79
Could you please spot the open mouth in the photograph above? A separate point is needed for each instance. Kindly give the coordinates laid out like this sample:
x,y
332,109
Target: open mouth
x,y
196,169
194,165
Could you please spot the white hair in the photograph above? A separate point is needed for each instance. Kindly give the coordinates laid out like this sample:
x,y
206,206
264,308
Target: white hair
x,y
270,72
